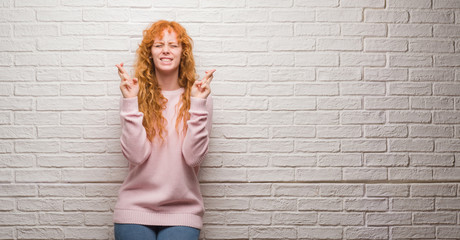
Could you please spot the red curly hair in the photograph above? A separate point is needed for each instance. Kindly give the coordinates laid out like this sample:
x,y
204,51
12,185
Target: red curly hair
x,y
151,101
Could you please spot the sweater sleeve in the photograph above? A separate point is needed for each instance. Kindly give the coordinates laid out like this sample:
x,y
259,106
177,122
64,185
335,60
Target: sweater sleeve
x,y
135,145
195,145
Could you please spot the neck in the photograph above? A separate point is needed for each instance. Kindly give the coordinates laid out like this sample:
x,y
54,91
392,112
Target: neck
x,y
168,81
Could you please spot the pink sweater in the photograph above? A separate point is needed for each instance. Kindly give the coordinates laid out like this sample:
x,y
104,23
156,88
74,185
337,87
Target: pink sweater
x,y
162,185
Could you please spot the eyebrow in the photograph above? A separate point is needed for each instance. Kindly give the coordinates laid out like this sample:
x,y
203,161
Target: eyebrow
x,y
161,41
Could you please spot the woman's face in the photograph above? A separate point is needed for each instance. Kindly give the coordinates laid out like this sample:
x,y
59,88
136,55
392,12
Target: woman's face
x,y
166,52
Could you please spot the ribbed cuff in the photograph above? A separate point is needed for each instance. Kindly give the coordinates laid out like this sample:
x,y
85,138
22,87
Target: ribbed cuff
x,y
198,104
129,104
157,219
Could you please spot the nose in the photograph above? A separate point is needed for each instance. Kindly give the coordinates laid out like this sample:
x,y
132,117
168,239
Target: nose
x,y
165,49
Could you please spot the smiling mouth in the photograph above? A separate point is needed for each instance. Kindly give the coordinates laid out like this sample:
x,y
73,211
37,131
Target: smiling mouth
x,y
166,59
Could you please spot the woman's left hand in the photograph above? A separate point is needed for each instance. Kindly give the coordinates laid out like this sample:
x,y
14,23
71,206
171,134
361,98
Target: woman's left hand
x,y
202,89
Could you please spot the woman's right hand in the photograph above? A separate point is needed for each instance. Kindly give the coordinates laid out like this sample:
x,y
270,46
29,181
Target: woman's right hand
x,y
129,86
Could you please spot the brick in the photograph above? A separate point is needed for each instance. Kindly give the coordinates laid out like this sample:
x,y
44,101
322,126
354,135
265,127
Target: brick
x,y
388,219
439,4
431,16
17,15
430,131
446,174
86,205
270,30
36,89
98,219
220,30
339,103
379,103
417,174
339,74
366,233
17,45
245,103
273,232
316,89
434,103
431,75
435,218
316,117
320,204
387,190
40,233
447,145
222,175
446,117
10,219
223,59
93,175
248,189
234,146
270,204
380,131
446,89
446,30
447,204
384,74
433,190
364,145
320,232
360,29
136,3
274,59
432,160
242,218
40,205
61,74
339,15
17,132
328,44
292,103
410,61
362,117
225,232
373,204
17,160
362,59
316,29
244,15
364,174
292,44
339,160
413,232
223,3
293,160
238,160
111,15
245,45
294,218
385,45
88,118
317,59
32,30
82,60
271,89
83,3
6,233
409,30
240,132
447,61
296,190
317,146
386,16
293,16
338,131
86,232
402,145
271,175
313,3
342,190
341,219
409,4
412,204
271,118
29,3
38,175
226,204
319,174
65,219
448,232
43,146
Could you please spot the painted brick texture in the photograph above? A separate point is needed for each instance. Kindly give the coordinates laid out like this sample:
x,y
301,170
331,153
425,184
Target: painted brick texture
x,y
333,119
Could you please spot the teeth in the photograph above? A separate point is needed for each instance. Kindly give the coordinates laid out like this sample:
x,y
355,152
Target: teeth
x,y
166,60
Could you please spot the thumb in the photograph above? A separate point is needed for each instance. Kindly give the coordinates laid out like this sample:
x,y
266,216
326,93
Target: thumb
x,y
135,81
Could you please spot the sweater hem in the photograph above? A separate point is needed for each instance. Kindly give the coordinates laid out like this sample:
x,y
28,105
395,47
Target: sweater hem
x,y
157,219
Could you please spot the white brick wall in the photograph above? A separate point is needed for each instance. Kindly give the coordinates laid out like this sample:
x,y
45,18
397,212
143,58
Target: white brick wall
x,y
333,119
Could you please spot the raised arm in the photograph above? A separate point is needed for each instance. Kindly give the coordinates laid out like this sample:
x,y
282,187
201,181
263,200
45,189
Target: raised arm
x,y
199,125
135,145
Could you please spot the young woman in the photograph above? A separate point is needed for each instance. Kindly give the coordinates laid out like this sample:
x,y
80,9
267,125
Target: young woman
x,y
166,120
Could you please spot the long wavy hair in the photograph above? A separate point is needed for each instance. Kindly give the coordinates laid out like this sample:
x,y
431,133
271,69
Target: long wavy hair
x,y
151,101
